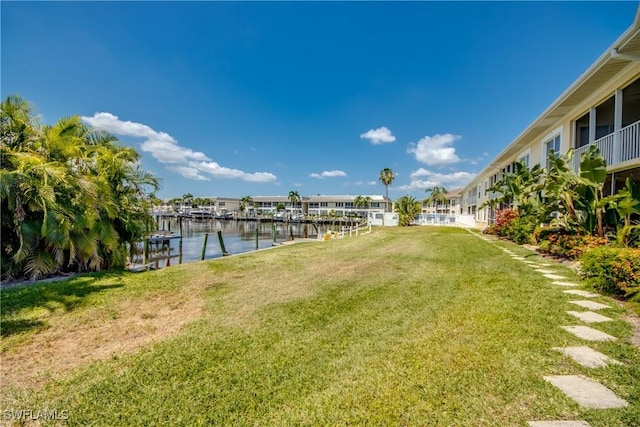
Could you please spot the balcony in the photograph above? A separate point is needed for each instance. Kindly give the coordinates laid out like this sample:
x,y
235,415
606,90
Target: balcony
x,y
628,146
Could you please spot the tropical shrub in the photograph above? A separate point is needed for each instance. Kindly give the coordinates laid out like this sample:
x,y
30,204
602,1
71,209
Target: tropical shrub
x,y
613,270
70,197
503,218
519,229
570,246
408,209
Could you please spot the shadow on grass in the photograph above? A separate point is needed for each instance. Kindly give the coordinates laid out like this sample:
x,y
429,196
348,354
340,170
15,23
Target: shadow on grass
x,y
16,326
62,296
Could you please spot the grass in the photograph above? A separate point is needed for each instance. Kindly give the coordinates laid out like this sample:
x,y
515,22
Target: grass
x,y
404,326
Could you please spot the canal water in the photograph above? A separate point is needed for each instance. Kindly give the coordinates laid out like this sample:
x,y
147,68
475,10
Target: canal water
x,y
238,237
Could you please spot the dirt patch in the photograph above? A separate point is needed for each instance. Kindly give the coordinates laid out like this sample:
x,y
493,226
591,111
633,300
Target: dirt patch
x,y
635,322
131,325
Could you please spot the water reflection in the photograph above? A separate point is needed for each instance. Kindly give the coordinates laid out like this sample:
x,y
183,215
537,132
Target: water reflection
x,y
238,237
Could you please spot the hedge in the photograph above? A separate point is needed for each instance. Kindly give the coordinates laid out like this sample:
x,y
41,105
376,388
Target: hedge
x,y
613,270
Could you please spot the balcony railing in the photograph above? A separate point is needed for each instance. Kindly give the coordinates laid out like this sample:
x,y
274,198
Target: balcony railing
x,y
629,146
630,142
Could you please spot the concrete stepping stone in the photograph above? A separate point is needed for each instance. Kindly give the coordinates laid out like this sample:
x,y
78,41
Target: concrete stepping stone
x,y
563,283
588,334
590,316
586,392
542,270
581,293
553,276
587,356
591,305
558,424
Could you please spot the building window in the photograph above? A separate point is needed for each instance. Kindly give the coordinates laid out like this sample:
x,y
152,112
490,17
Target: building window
x,y
323,204
348,204
221,204
375,205
582,131
552,145
339,204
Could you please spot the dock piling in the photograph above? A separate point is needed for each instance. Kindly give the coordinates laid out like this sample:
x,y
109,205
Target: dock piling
x,y
204,246
257,231
222,248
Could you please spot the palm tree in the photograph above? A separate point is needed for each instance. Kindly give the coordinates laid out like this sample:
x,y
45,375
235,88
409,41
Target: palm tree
x,y
244,202
362,202
437,195
386,177
408,209
294,198
70,197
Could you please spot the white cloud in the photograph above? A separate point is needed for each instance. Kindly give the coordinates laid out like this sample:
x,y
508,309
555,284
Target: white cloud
x,y
214,169
422,179
161,145
378,136
435,150
164,148
188,172
328,174
361,183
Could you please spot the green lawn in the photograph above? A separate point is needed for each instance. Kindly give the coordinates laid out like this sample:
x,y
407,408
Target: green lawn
x,y
403,326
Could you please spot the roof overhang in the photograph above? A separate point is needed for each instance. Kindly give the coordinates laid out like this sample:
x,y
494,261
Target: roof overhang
x,y
605,68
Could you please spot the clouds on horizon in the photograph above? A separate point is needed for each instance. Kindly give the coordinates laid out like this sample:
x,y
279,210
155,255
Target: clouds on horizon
x,y
423,179
164,148
435,150
360,184
327,174
378,136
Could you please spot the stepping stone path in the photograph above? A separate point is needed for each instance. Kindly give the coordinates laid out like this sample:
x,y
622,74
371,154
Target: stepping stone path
x,y
588,334
587,356
586,392
559,424
591,305
581,293
590,316
560,283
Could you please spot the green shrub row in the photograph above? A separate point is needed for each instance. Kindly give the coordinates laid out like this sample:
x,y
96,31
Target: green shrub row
x,y
570,246
613,270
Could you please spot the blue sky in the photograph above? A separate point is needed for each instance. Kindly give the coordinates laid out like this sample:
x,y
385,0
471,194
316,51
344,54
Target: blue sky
x,y
235,98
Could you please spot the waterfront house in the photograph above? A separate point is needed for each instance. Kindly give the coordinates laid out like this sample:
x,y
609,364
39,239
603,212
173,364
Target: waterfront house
x,y
344,206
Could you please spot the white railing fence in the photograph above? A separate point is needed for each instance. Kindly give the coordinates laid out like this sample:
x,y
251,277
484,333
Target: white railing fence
x,y
628,148
630,142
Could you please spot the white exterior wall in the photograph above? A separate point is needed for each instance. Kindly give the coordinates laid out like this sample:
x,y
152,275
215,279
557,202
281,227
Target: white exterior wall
x,y
552,123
